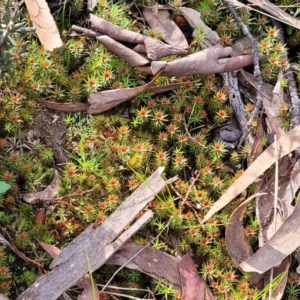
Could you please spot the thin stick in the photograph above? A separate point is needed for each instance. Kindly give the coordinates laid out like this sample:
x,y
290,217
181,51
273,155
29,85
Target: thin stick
x,y
256,74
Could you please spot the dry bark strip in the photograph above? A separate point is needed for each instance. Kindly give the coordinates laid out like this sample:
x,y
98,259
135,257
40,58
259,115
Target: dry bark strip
x,y
283,243
44,23
97,245
286,144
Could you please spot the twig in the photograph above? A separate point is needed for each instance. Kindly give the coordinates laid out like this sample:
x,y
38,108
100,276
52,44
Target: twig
x,y
292,87
17,251
257,75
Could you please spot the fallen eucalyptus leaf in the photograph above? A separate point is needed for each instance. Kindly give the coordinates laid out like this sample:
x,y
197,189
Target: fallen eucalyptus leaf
x,y
160,21
193,18
152,262
67,107
236,243
104,100
191,284
286,144
282,243
49,193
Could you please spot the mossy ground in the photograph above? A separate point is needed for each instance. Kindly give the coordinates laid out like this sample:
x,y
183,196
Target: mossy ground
x,y
108,156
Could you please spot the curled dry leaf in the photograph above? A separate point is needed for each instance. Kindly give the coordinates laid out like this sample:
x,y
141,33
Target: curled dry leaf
x,y
155,49
48,194
193,18
44,23
236,242
116,32
286,144
209,61
130,56
282,243
160,21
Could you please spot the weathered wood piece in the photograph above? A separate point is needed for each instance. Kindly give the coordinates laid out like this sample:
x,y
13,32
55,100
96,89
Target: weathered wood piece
x,y
96,245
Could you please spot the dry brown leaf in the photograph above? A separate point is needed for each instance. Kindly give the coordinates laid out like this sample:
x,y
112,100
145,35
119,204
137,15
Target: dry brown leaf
x,y
286,144
49,193
283,243
67,107
152,262
130,56
44,23
277,12
191,283
236,242
160,21
105,100
90,289
193,18
52,250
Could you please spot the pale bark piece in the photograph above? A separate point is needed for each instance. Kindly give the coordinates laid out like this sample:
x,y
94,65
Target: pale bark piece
x,y
3,297
54,283
208,61
277,12
48,194
44,23
191,283
236,242
105,100
84,283
283,243
96,244
66,107
160,21
193,18
152,262
130,56
286,144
